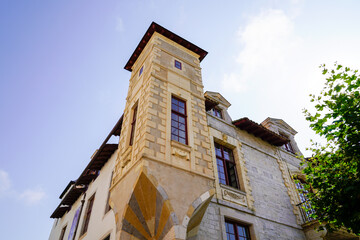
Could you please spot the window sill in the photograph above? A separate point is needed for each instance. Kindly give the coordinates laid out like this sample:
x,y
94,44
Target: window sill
x,y
180,145
232,189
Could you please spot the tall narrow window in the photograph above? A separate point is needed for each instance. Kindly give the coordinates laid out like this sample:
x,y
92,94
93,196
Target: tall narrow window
x,y
235,231
226,166
62,233
141,70
178,120
133,124
87,215
107,206
305,205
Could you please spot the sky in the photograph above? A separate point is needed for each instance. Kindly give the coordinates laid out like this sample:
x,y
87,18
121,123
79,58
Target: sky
x,y
63,84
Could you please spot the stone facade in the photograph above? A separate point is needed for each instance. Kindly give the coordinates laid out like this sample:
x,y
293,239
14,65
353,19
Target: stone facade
x,y
164,189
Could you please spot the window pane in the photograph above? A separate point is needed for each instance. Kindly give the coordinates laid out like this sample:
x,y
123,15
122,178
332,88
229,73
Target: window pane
x,y
241,231
175,107
174,117
218,152
230,228
226,155
182,134
174,137
232,174
182,120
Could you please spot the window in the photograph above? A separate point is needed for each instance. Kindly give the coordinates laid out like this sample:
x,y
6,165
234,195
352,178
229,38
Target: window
x,y
133,124
305,206
287,146
236,231
178,120
107,206
217,112
141,70
226,166
87,215
178,64
107,237
62,233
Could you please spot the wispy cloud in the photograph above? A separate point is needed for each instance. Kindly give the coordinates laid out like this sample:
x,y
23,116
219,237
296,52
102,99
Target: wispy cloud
x,y
33,196
5,183
119,24
269,45
29,196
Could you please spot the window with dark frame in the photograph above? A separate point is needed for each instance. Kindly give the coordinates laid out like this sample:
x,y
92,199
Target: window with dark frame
x,y
217,112
62,233
141,70
87,215
236,231
178,64
226,166
133,125
178,120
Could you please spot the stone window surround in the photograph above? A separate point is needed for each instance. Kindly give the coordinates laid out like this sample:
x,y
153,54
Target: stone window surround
x,y
227,214
228,145
223,159
180,115
236,224
178,64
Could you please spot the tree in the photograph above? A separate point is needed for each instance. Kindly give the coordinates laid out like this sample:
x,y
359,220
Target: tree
x,y
333,170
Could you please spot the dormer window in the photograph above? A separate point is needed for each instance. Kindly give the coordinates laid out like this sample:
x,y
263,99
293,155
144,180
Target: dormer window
x,y
217,112
287,146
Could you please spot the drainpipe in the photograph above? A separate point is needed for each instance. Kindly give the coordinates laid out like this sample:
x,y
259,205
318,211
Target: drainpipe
x,y
77,224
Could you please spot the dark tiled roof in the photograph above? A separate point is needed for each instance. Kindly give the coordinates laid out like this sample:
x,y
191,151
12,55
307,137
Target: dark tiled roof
x,y
154,27
260,131
90,173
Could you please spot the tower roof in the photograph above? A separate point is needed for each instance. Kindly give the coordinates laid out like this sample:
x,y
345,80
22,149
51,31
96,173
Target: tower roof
x,y
154,27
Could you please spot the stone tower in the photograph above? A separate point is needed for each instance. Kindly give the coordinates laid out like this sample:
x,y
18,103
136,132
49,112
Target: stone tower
x,y
163,178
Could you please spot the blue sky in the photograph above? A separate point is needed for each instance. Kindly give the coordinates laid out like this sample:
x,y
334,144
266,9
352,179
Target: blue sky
x,y
63,86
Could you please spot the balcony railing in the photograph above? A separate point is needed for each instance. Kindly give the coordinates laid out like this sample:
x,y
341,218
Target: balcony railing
x,y
306,211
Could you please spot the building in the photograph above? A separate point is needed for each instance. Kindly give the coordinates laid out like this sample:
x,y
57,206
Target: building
x,y
182,168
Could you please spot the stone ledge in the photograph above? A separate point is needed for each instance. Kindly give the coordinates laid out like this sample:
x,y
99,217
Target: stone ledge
x,y
233,195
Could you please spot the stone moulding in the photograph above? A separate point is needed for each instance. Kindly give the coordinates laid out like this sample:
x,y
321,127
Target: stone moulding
x,y
234,196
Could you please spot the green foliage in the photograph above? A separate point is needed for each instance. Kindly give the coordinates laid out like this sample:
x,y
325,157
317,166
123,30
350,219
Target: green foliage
x,y
333,170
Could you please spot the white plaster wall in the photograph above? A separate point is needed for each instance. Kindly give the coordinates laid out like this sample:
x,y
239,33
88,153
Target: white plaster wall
x,y
101,224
